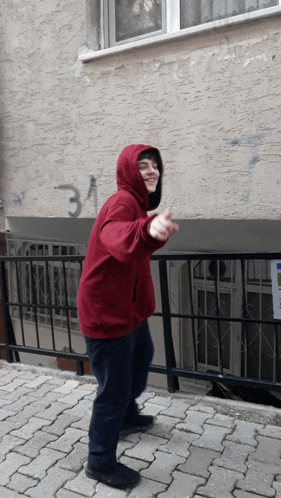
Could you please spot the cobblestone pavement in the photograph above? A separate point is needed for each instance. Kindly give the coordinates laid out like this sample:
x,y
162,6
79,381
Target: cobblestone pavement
x,y
198,447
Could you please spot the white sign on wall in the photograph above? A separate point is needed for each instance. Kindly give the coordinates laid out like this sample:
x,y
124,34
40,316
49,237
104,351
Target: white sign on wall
x,y
276,287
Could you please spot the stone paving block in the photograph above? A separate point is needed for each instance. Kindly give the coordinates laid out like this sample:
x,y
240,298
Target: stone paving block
x,y
8,443
259,478
27,430
222,421
268,451
271,431
73,398
91,397
54,480
8,493
18,406
162,467
134,463
146,447
7,379
38,467
103,491
46,401
10,465
38,381
17,394
81,482
5,413
65,493
42,390
277,487
203,407
183,486
75,460
234,456
23,416
83,423
21,483
212,437
33,446
53,411
161,400
80,409
147,489
58,427
178,409
13,385
7,427
151,409
123,445
163,426
179,443
244,494
194,422
4,402
56,381
67,387
88,386
245,433
67,440
144,397
199,461
220,484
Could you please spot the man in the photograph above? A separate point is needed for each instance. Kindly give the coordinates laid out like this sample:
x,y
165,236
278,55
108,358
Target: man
x,y
115,298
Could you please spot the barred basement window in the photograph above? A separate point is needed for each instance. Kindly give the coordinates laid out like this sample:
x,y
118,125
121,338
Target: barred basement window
x,y
43,283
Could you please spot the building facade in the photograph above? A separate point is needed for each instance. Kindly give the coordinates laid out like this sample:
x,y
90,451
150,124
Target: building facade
x,y
80,80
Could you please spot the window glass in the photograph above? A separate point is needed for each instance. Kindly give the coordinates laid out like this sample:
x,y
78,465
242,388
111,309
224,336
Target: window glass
x,y
136,18
204,11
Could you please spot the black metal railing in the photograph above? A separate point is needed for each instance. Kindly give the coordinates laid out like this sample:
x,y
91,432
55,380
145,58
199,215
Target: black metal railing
x,y
41,290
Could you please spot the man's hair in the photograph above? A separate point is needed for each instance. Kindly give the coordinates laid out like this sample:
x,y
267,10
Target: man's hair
x,y
148,154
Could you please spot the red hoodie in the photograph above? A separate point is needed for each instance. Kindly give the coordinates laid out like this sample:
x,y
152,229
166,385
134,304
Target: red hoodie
x,y
116,291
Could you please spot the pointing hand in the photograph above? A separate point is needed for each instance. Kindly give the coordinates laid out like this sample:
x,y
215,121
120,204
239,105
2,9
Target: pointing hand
x,y
162,227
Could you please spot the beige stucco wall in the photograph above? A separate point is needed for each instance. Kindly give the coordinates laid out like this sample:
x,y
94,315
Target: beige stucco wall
x,y
211,103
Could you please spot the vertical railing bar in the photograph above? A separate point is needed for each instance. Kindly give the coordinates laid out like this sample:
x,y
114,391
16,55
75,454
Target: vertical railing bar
x,y
195,353
80,369
66,304
217,276
49,299
19,299
245,326
260,325
10,339
277,354
34,304
172,380
4,300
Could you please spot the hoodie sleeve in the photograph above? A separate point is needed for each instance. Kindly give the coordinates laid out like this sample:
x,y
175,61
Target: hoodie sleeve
x,y
125,238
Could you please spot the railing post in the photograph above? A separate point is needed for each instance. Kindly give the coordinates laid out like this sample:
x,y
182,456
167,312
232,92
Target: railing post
x,y
173,383
7,322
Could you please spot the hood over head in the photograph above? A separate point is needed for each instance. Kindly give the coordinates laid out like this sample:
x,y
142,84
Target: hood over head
x,y
130,179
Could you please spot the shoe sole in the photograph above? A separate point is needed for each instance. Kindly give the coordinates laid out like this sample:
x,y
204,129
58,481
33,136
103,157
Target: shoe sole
x,y
111,484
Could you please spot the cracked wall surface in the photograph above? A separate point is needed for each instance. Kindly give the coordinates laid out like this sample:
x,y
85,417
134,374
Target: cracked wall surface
x,y
210,102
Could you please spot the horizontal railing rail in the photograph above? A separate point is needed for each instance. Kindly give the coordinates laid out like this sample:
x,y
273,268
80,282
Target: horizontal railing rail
x,y
36,288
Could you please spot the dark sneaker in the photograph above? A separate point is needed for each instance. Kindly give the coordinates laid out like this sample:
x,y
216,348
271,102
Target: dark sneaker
x,y
119,477
136,424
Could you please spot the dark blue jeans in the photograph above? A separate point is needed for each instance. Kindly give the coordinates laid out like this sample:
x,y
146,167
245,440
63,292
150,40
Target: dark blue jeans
x,y
121,368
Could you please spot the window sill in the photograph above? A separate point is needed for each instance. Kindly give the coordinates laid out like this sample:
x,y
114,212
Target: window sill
x,y
147,42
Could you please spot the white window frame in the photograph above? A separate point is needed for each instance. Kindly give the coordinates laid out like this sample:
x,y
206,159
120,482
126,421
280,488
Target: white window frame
x,y
172,30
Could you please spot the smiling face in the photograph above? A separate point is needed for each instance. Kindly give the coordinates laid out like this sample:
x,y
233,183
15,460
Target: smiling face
x,y
150,173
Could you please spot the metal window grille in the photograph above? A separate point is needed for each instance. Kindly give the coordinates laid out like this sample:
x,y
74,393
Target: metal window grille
x,y
42,283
